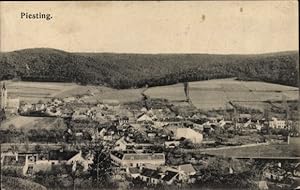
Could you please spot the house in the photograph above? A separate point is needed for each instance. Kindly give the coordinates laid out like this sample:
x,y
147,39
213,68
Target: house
x,y
123,144
187,169
276,123
156,176
245,125
150,176
25,108
29,163
133,159
123,120
222,123
40,107
144,118
57,157
133,172
151,134
188,133
185,172
170,177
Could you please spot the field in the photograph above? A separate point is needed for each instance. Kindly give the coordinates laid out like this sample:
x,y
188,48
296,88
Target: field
x,y
206,95
280,150
35,91
32,92
260,151
27,123
215,94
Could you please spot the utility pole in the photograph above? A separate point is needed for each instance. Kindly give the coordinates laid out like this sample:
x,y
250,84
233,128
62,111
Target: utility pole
x,y
0,166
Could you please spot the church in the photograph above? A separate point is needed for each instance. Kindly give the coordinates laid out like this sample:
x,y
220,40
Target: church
x,y
10,105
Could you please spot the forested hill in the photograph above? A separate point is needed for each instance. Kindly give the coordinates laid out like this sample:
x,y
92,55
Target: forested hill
x,y
137,70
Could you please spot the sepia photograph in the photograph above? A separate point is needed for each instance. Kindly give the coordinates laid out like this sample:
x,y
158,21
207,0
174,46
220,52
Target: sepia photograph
x,y
149,95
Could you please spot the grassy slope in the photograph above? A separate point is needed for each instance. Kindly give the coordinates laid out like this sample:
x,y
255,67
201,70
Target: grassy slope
x,y
13,183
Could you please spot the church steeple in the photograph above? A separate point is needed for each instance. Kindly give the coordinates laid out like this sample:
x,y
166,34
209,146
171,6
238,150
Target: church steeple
x,y
3,96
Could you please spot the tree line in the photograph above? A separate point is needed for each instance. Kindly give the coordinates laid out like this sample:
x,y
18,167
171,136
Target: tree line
x,y
138,70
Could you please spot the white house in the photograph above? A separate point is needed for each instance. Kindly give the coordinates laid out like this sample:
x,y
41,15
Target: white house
x,y
190,134
57,157
144,118
122,144
133,159
276,123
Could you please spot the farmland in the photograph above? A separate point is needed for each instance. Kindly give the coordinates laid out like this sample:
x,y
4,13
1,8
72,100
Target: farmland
x,y
27,123
35,91
273,150
205,95
32,92
215,94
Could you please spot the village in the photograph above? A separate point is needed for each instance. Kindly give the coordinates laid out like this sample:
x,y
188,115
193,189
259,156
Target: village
x,y
149,143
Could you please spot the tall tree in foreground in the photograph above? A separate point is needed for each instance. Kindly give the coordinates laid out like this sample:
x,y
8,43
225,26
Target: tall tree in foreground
x,y
101,169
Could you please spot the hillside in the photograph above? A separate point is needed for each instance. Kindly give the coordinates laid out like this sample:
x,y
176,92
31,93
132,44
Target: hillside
x,y
137,70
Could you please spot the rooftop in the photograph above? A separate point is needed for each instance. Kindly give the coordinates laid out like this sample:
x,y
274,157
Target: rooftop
x,y
61,155
187,168
143,156
131,155
169,175
151,173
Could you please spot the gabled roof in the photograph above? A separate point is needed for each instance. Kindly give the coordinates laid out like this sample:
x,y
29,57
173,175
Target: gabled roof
x,y
134,170
131,155
144,156
169,175
151,173
61,155
144,117
187,168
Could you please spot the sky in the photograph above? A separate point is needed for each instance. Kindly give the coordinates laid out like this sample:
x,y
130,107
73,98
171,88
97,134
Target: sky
x,y
222,27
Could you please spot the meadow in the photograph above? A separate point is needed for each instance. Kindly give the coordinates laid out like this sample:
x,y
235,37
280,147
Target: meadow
x,y
273,150
215,94
32,92
27,123
205,95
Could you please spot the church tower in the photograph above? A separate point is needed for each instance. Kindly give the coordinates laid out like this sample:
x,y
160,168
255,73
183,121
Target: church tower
x,y
3,96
